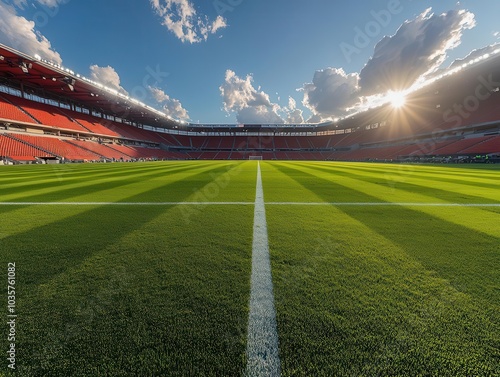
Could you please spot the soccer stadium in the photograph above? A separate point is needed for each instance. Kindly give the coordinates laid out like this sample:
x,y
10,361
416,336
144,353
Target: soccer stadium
x,y
138,243
50,115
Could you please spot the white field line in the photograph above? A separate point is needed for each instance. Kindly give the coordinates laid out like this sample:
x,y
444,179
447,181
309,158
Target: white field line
x,y
262,337
340,204
125,203
383,204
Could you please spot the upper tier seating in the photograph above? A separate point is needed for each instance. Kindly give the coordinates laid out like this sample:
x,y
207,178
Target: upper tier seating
x,y
46,115
91,123
13,112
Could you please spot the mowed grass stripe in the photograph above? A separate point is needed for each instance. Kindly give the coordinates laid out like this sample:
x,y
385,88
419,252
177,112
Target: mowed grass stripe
x,y
23,218
68,239
440,239
353,300
395,176
63,172
424,183
476,218
67,174
377,295
444,173
111,188
279,176
77,240
178,186
155,296
164,289
56,191
37,188
220,176
175,186
381,204
466,171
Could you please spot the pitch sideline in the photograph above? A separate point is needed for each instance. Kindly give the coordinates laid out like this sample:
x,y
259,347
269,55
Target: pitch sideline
x,y
344,204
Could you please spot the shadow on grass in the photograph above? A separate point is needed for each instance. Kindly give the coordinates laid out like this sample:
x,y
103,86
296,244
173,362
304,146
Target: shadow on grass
x,y
390,180
345,314
115,319
74,238
408,170
87,186
65,174
463,256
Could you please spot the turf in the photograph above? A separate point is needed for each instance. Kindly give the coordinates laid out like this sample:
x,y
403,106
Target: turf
x,y
163,290
378,291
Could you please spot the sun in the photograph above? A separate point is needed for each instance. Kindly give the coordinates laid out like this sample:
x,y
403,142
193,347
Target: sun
x,y
396,99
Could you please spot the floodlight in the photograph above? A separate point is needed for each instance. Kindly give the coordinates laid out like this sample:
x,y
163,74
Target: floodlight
x,y
23,67
70,82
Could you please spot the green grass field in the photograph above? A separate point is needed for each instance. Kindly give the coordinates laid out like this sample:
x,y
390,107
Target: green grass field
x,y
143,269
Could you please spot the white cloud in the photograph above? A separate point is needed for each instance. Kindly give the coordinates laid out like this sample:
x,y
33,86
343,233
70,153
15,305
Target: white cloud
x,y
330,93
180,17
19,3
51,3
418,48
475,54
250,105
20,33
293,115
219,23
106,76
258,115
171,106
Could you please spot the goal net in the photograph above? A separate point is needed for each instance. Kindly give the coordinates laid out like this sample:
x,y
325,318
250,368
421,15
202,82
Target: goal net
x,y
255,157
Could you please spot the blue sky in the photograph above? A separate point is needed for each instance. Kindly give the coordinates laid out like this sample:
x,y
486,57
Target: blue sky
x,y
251,61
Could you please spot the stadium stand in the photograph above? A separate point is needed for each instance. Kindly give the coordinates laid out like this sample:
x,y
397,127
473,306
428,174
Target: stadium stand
x,y
460,145
10,111
437,128
19,151
59,148
488,145
101,150
91,124
45,114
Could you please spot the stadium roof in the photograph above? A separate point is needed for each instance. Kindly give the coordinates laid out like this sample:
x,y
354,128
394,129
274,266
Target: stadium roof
x,y
36,76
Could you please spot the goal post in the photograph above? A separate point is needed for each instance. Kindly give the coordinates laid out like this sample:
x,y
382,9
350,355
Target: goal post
x,y
255,157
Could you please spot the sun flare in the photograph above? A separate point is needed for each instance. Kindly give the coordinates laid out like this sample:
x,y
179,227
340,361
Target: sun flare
x,y
396,99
